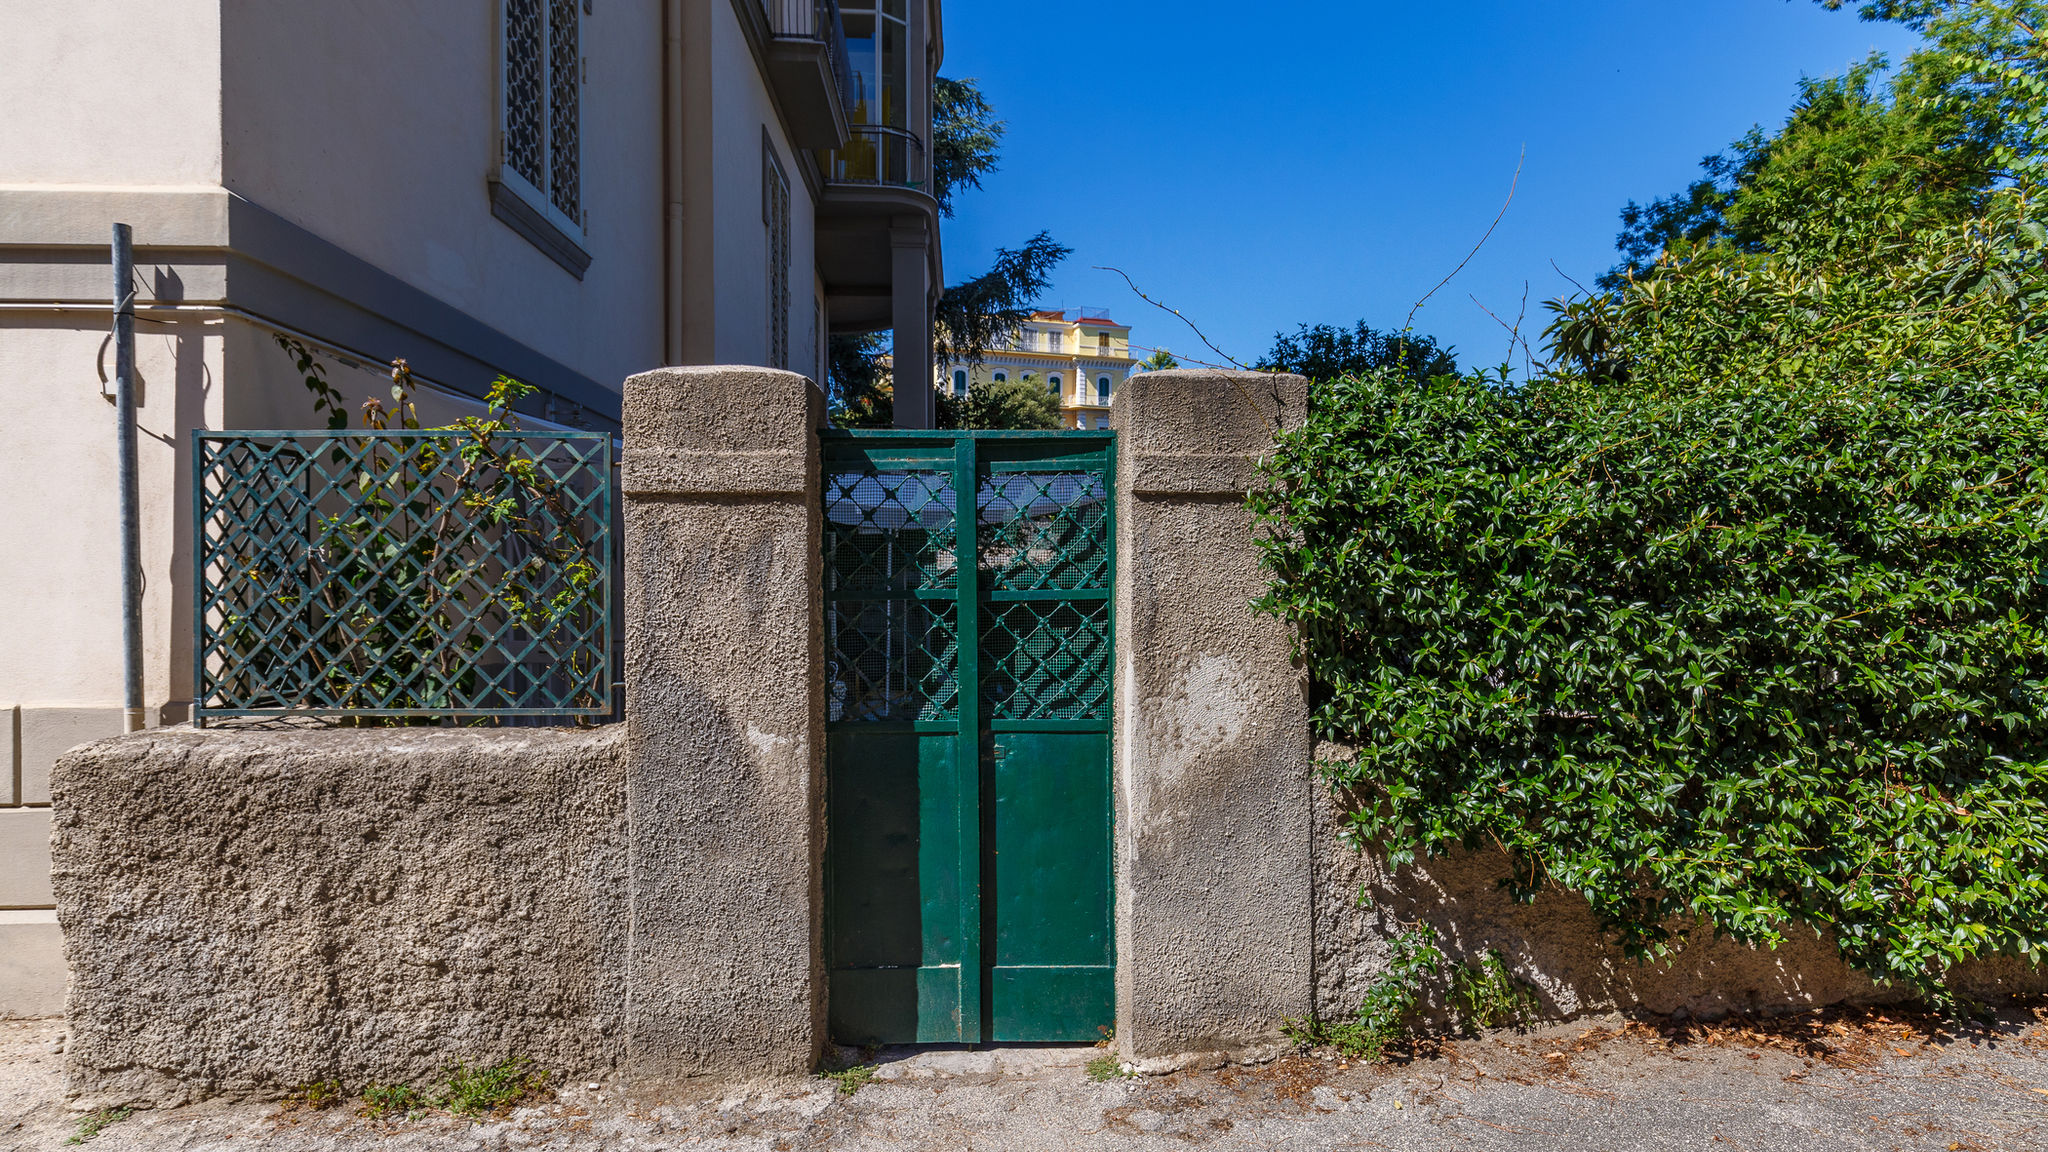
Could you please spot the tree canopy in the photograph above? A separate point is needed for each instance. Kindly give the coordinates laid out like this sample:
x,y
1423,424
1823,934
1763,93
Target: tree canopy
x,y
1322,352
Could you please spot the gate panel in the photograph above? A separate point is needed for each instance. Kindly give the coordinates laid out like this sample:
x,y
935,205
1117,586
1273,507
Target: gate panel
x,y
968,712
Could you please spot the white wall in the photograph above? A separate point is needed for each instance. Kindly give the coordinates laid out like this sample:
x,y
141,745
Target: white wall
x,y
371,124
101,92
741,108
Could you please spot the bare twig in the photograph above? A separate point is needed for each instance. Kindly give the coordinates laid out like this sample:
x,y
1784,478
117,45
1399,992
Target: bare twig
x,y
1234,362
1561,272
1514,330
1512,186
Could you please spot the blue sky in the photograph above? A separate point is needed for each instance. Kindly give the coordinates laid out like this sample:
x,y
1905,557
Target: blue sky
x,y
1258,165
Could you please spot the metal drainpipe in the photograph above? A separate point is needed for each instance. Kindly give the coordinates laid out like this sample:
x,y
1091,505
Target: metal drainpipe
x,y
131,515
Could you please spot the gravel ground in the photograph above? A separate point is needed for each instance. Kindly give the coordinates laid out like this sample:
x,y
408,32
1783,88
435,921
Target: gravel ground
x,y
1841,1081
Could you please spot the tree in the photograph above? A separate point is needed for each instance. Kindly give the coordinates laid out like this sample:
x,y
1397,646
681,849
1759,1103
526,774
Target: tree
x,y
966,138
1159,361
1016,404
1322,352
978,314
1932,142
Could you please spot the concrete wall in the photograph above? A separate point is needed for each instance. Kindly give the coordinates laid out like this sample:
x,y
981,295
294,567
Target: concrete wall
x,y
1214,931
246,911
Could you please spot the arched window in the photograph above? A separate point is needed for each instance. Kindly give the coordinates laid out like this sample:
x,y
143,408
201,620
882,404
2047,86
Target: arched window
x,y
960,381
1102,389
1052,384
1001,376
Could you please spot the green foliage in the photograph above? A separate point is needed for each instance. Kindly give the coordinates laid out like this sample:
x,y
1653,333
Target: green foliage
x,y
1959,120
1323,352
1385,1016
314,1096
851,1080
92,1124
1486,995
1160,360
976,315
386,1101
1758,638
492,1089
966,138
1016,404
417,565
1105,1068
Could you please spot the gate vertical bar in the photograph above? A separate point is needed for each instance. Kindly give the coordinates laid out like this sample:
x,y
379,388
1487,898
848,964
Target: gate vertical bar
x,y
967,582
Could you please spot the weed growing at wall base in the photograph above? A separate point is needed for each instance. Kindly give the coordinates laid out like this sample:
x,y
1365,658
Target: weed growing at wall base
x,y
93,1123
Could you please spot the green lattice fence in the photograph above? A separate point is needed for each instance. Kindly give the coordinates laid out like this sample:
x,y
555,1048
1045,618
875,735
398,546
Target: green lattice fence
x,y
402,574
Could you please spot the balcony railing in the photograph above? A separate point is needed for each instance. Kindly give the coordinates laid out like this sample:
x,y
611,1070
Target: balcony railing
x,y
817,20
878,154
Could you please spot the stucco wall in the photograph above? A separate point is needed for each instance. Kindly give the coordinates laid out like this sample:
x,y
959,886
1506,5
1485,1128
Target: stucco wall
x,y
245,911
140,87
1556,946
373,125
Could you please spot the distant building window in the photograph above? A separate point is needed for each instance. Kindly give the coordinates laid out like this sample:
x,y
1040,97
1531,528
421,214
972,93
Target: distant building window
x,y
543,125
1001,376
1054,341
775,214
1052,384
959,381
1101,422
1102,389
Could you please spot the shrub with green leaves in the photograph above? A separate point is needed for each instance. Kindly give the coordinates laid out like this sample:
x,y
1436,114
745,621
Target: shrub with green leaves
x,y
1738,616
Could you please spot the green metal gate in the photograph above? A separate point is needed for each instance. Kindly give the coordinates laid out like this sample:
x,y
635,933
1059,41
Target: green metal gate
x,y
967,736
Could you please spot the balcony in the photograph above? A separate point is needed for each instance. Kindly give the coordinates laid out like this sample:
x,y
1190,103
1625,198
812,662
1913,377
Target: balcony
x,y
808,64
879,155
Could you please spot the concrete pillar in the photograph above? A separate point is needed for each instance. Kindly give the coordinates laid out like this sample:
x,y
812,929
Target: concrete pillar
x,y
1213,755
910,312
724,710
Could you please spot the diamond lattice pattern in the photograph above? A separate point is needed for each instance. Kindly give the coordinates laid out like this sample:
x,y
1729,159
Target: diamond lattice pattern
x,y
356,572
893,660
1046,660
1044,530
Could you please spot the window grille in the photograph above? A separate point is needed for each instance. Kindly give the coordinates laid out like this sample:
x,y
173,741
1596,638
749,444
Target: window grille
x,y
775,214
543,135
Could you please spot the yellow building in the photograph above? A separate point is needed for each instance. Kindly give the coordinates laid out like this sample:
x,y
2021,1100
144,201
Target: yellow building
x,y
1079,355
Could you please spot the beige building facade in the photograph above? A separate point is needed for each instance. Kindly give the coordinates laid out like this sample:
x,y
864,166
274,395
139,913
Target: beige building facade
x,y
564,191
1079,355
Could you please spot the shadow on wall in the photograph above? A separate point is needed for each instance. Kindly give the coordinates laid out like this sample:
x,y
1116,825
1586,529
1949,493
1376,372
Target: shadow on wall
x,y
1555,944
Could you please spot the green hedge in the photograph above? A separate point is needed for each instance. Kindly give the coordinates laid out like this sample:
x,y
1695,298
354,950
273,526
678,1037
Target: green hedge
x,y
1754,654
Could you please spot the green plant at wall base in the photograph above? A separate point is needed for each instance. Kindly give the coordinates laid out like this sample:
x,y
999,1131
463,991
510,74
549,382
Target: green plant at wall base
x,y
93,1123
420,566
492,1089
388,1101
1387,1012
851,1080
1484,994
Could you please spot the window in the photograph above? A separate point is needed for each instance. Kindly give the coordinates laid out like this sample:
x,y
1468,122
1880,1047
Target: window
x,y
775,214
1054,341
539,186
1052,384
1102,389
959,381
1001,377
1101,422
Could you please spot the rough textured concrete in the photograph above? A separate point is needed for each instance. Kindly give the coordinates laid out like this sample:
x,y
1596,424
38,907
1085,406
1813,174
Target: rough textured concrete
x,y
1579,1088
1214,889
1556,946
245,911
724,706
